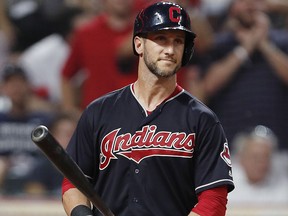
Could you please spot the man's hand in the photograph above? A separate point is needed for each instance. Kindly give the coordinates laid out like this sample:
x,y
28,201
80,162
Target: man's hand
x,y
261,27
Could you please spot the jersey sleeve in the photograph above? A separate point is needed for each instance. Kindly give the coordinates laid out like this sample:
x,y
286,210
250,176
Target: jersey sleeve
x,y
81,146
213,166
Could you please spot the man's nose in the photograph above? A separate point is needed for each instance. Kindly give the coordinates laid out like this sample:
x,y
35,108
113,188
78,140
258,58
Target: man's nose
x,y
170,48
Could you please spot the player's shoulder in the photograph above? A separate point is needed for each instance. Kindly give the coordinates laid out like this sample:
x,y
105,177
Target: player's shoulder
x,y
197,108
193,102
111,97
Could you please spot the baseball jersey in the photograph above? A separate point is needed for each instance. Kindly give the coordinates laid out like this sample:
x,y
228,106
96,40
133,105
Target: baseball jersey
x,y
152,164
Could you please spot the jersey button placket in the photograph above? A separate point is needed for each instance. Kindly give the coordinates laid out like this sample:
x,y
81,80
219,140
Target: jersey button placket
x,y
136,171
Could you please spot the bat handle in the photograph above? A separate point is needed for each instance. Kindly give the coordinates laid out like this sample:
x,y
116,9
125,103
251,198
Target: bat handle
x,y
39,133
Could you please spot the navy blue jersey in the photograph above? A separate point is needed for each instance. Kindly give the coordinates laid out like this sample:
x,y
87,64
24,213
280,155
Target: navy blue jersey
x,y
153,164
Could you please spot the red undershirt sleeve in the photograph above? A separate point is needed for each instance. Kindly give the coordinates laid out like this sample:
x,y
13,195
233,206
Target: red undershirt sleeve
x,y
66,185
212,202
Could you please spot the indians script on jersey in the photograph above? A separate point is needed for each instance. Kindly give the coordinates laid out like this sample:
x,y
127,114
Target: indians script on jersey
x,y
146,143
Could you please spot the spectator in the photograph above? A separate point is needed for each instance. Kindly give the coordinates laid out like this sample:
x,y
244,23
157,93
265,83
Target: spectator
x,y
31,20
17,119
215,11
277,11
5,25
93,52
6,35
4,49
261,177
40,60
45,179
91,7
3,171
246,74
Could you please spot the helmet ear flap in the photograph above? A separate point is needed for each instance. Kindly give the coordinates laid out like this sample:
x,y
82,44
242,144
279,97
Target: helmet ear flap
x,y
187,57
188,50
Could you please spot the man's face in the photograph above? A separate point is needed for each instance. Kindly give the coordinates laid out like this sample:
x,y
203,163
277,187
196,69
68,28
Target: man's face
x,y
17,89
163,52
256,159
244,11
119,7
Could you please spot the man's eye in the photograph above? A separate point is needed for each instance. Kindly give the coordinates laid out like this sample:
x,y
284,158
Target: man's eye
x,y
179,41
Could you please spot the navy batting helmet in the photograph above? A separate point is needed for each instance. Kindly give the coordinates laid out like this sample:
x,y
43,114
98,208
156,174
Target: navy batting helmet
x,y
164,16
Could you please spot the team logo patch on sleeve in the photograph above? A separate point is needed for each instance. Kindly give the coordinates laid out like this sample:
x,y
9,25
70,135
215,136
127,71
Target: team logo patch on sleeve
x,y
144,144
225,155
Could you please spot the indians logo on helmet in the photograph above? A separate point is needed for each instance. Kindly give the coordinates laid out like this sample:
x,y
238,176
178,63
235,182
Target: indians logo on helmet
x,y
171,14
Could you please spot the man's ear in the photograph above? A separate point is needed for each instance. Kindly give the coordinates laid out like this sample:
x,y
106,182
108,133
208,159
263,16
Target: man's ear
x,y
138,43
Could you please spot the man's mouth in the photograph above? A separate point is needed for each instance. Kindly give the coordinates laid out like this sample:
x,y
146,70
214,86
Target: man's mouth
x,y
169,60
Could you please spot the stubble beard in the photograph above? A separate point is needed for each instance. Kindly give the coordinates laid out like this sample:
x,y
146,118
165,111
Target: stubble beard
x,y
154,69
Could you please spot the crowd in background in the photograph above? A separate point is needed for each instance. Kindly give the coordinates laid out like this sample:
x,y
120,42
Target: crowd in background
x,y
56,56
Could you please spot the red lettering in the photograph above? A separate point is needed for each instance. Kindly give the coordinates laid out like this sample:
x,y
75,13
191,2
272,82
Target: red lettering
x,y
172,12
106,149
189,142
160,139
139,138
176,139
122,142
146,143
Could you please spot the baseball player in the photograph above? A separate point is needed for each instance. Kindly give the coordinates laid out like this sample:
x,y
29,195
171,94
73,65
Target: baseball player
x,y
151,148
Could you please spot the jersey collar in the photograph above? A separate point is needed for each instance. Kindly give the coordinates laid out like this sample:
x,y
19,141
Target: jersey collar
x,y
178,90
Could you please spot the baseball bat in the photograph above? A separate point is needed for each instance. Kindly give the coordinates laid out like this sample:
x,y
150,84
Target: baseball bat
x,y
42,137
